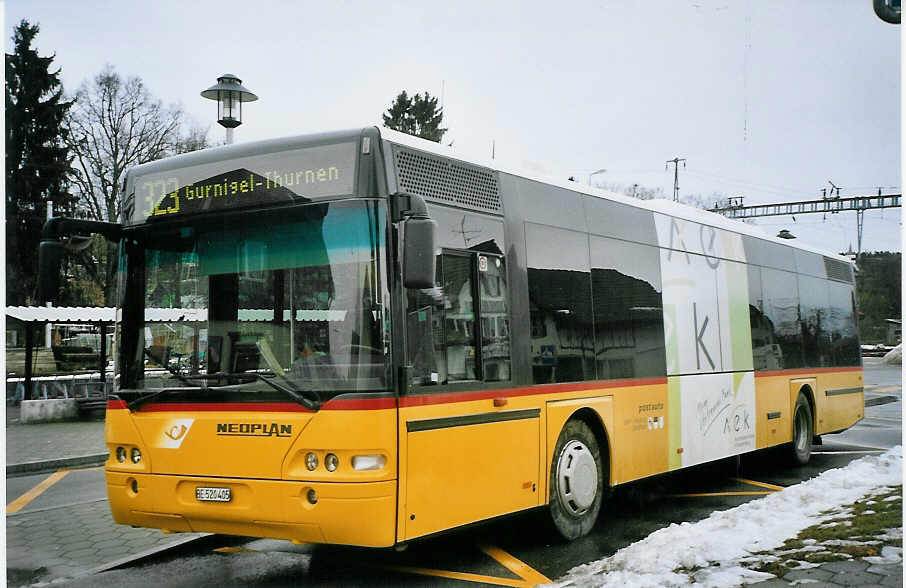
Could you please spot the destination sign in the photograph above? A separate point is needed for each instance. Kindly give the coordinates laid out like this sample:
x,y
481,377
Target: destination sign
x,y
299,175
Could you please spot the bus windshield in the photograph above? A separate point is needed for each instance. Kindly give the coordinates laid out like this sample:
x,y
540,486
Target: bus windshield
x,y
263,306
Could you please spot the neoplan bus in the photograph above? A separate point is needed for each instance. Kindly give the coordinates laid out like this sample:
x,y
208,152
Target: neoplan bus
x,y
360,338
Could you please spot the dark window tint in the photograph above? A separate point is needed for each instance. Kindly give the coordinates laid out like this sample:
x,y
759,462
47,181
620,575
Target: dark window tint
x,y
766,352
441,325
809,263
781,313
628,318
621,221
813,321
560,303
768,254
842,324
495,325
451,340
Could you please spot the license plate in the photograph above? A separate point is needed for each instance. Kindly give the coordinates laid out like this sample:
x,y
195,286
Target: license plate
x,y
213,494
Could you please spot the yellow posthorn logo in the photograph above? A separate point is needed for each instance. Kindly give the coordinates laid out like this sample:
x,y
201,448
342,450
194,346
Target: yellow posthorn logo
x,y
176,432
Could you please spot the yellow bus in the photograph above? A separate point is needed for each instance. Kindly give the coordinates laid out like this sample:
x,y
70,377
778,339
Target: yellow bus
x,y
361,338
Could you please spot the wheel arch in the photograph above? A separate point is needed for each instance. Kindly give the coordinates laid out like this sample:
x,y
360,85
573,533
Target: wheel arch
x,y
806,390
596,414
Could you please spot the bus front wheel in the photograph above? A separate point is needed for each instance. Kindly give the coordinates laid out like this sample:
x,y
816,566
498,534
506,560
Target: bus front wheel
x,y
576,481
802,431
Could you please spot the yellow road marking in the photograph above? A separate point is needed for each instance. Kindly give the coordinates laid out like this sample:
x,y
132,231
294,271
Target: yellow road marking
x,y
21,502
234,550
761,484
697,494
459,576
518,567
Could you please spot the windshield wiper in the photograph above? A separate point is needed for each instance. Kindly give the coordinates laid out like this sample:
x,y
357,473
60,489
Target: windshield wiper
x,y
297,395
143,399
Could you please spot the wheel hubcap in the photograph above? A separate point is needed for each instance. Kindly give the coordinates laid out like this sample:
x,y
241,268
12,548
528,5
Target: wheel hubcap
x,y
577,477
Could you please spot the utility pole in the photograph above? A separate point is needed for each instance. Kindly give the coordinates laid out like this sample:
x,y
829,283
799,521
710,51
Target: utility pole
x,y
675,161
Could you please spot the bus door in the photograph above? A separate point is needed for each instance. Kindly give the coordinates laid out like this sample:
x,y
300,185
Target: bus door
x,y
467,452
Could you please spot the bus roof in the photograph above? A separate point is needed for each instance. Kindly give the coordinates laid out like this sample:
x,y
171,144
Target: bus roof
x,y
662,206
283,143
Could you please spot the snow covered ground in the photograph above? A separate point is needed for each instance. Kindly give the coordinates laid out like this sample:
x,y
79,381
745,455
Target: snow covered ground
x,y
718,545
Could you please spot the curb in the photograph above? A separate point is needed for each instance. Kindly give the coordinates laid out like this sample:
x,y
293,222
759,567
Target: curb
x,y
50,465
148,553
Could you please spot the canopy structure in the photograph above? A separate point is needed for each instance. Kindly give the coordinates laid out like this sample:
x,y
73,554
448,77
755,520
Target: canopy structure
x,y
105,316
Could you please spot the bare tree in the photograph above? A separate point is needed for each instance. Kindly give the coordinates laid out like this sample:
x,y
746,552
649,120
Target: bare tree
x,y
115,124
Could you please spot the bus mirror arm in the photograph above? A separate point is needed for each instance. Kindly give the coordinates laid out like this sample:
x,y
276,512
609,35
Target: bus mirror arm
x,y
419,241
50,251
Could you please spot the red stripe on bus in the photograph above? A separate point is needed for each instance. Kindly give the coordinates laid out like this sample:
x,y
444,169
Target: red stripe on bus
x,y
386,402
336,404
807,371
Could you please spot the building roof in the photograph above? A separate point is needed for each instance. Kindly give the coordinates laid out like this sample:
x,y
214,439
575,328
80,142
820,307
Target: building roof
x,y
82,314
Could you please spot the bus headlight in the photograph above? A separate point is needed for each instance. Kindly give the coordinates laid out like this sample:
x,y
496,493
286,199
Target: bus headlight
x,y
136,455
368,462
121,454
331,462
311,461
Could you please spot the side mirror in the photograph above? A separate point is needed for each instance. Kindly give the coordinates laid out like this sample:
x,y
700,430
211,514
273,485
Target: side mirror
x,y
420,238
50,254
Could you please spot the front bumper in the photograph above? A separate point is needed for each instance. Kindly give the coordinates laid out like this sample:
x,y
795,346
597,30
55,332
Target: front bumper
x,y
361,513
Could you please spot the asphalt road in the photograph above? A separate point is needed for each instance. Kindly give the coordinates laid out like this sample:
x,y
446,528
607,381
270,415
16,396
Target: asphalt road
x,y
514,551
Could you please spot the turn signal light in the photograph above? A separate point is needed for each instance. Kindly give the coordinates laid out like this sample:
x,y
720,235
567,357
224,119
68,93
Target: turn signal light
x,y
121,454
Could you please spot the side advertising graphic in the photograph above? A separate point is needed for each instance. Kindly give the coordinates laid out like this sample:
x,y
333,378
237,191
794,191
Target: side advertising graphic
x,y
711,386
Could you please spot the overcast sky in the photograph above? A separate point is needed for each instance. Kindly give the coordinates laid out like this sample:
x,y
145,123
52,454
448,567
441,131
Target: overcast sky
x,y
765,99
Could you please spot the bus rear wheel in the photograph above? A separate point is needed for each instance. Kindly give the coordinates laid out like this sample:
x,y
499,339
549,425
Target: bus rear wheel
x,y
802,431
576,481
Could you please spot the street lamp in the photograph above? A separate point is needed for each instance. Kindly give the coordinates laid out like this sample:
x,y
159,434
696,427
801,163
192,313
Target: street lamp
x,y
594,173
229,94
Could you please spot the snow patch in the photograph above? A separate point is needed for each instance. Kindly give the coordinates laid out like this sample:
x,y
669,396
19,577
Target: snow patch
x,y
716,545
889,555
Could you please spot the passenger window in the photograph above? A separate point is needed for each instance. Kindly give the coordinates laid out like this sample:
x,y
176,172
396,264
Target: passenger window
x,y
450,338
495,326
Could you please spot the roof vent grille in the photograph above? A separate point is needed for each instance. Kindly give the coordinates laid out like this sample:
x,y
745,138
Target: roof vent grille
x,y
838,270
442,180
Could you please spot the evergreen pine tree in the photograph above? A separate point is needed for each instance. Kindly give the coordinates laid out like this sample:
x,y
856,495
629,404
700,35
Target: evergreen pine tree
x,y
417,116
37,159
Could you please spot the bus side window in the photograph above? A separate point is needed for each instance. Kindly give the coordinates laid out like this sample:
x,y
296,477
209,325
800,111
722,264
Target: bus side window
x,y
495,331
443,330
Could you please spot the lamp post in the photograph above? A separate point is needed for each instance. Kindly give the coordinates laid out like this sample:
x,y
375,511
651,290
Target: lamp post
x,y
594,173
229,94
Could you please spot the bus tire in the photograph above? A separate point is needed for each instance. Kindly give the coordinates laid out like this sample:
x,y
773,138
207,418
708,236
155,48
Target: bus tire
x,y
576,481
803,427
